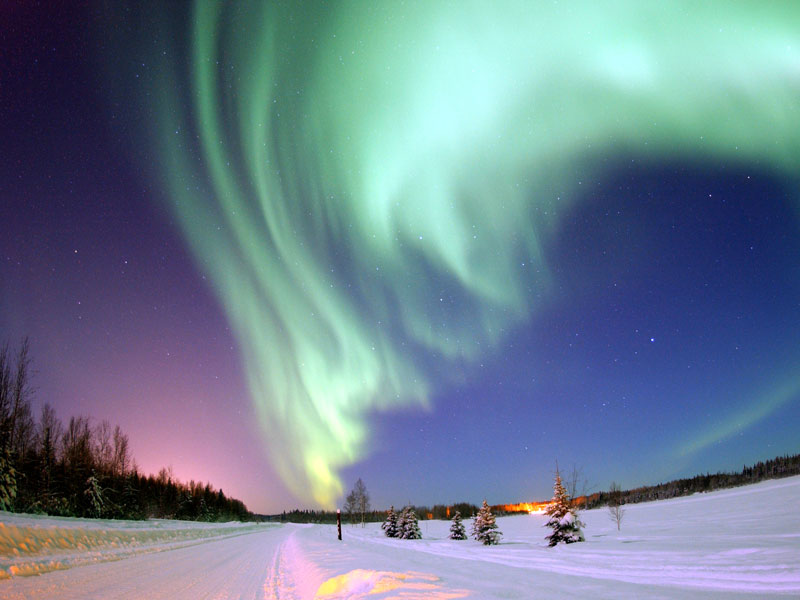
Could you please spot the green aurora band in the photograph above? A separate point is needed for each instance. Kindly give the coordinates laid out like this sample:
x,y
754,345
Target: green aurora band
x,y
371,185
743,418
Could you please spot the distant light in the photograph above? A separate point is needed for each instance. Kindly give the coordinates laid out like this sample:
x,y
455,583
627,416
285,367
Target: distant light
x,y
652,339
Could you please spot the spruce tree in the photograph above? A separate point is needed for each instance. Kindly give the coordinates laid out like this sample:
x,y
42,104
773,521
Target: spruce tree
x,y
95,495
563,518
401,522
408,525
457,531
485,527
473,529
8,480
389,526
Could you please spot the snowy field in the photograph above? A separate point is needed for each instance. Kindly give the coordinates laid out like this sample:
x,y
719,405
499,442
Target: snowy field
x,y
738,543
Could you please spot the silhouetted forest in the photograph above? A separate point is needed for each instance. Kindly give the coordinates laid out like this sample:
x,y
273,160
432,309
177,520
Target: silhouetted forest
x,y
439,511
780,466
85,470
323,516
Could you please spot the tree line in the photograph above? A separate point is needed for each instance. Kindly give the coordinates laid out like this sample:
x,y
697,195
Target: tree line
x,y
84,470
780,466
439,511
357,509
324,516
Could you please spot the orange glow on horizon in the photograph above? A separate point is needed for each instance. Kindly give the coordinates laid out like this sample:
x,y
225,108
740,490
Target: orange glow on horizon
x,y
528,507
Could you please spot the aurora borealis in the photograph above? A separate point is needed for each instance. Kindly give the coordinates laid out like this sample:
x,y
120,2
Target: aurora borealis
x,y
389,200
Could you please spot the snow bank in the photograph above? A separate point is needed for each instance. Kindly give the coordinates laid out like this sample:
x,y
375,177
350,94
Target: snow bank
x,y
32,544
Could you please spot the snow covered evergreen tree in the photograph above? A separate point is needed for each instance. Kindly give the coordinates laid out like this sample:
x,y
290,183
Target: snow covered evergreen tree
x,y
563,517
485,528
95,495
473,529
389,526
408,525
457,531
401,522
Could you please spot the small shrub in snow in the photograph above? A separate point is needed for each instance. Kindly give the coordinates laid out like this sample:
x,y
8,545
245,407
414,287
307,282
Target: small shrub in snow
x,y
457,531
563,518
485,528
615,510
389,526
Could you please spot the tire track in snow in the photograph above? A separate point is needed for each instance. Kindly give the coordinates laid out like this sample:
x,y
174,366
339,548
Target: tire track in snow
x,y
291,576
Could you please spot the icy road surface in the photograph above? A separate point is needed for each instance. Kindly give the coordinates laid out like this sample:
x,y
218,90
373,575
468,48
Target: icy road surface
x,y
738,543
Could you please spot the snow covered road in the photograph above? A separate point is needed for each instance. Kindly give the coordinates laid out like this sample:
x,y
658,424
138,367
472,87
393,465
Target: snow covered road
x,y
230,567
738,543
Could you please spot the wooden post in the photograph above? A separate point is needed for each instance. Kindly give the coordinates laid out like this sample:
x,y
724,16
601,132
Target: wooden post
x,y
339,522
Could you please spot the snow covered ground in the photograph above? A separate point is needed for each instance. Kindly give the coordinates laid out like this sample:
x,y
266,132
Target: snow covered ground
x,y
738,543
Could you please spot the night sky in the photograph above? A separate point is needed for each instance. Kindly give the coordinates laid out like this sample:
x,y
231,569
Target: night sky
x,y
438,246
